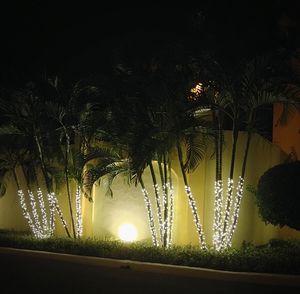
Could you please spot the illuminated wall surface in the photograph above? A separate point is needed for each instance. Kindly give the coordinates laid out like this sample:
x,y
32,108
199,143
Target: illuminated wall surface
x,y
287,136
104,216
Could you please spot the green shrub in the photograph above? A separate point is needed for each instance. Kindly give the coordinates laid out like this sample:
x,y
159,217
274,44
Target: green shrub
x,y
278,195
278,256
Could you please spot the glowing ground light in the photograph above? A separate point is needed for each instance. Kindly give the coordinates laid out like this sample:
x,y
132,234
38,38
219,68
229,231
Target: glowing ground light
x,y
127,232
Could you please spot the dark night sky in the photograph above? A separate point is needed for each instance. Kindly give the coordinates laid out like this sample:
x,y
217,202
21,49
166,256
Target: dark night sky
x,y
80,39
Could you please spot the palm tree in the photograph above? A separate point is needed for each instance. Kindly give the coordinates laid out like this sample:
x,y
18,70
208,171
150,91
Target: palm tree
x,y
13,157
164,119
240,99
79,118
26,119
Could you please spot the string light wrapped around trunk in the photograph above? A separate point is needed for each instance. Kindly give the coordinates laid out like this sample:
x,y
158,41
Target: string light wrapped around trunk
x,y
79,226
150,217
196,218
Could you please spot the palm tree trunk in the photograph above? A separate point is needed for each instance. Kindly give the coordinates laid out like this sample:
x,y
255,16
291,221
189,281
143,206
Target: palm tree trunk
x,y
44,229
43,165
240,189
217,225
171,211
162,180
26,178
25,212
79,227
229,194
67,151
16,179
150,214
166,202
191,200
158,205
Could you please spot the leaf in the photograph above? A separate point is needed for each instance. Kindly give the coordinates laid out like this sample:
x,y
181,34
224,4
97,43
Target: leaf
x,y
9,130
195,151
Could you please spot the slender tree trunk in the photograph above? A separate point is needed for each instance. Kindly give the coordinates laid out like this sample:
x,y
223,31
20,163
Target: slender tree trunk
x,y
67,151
158,203
43,165
191,199
26,178
240,189
249,137
171,211
221,139
25,212
162,180
16,179
216,141
229,193
150,214
166,202
218,201
234,145
161,174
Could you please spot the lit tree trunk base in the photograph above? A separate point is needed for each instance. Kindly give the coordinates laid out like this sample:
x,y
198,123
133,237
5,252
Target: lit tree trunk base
x,y
224,231
170,217
150,216
41,229
159,214
217,226
79,225
196,217
53,202
236,211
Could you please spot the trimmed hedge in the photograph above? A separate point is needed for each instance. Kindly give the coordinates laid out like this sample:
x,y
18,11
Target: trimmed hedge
x,y
278,195
277,256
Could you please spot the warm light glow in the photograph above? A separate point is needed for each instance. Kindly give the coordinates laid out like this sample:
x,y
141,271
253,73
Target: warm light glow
x,y
127,232
196,92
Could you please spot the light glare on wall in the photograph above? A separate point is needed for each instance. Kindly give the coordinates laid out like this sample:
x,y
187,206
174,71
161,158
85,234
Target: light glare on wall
x,y
127,232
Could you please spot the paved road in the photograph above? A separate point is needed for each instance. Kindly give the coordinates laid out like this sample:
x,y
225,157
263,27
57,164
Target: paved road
x,y
30,274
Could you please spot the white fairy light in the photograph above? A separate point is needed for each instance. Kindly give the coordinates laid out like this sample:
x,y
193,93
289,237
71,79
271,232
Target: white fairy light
x,y
235,215
79,227
165,206
26,214
159,214
39,231
52,212
171,216
58,210
43,210
150,217
229,192
196,217
34,213
218,214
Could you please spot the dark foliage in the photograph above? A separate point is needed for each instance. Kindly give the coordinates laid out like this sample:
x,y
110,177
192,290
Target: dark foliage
x,y
278,195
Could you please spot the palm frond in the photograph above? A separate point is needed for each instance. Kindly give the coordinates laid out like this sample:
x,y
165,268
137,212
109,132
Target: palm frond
x,y
107,182
6,130
4,174
195,152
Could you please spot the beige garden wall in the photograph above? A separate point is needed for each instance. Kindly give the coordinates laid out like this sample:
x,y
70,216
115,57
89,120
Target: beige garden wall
x,y
103,216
